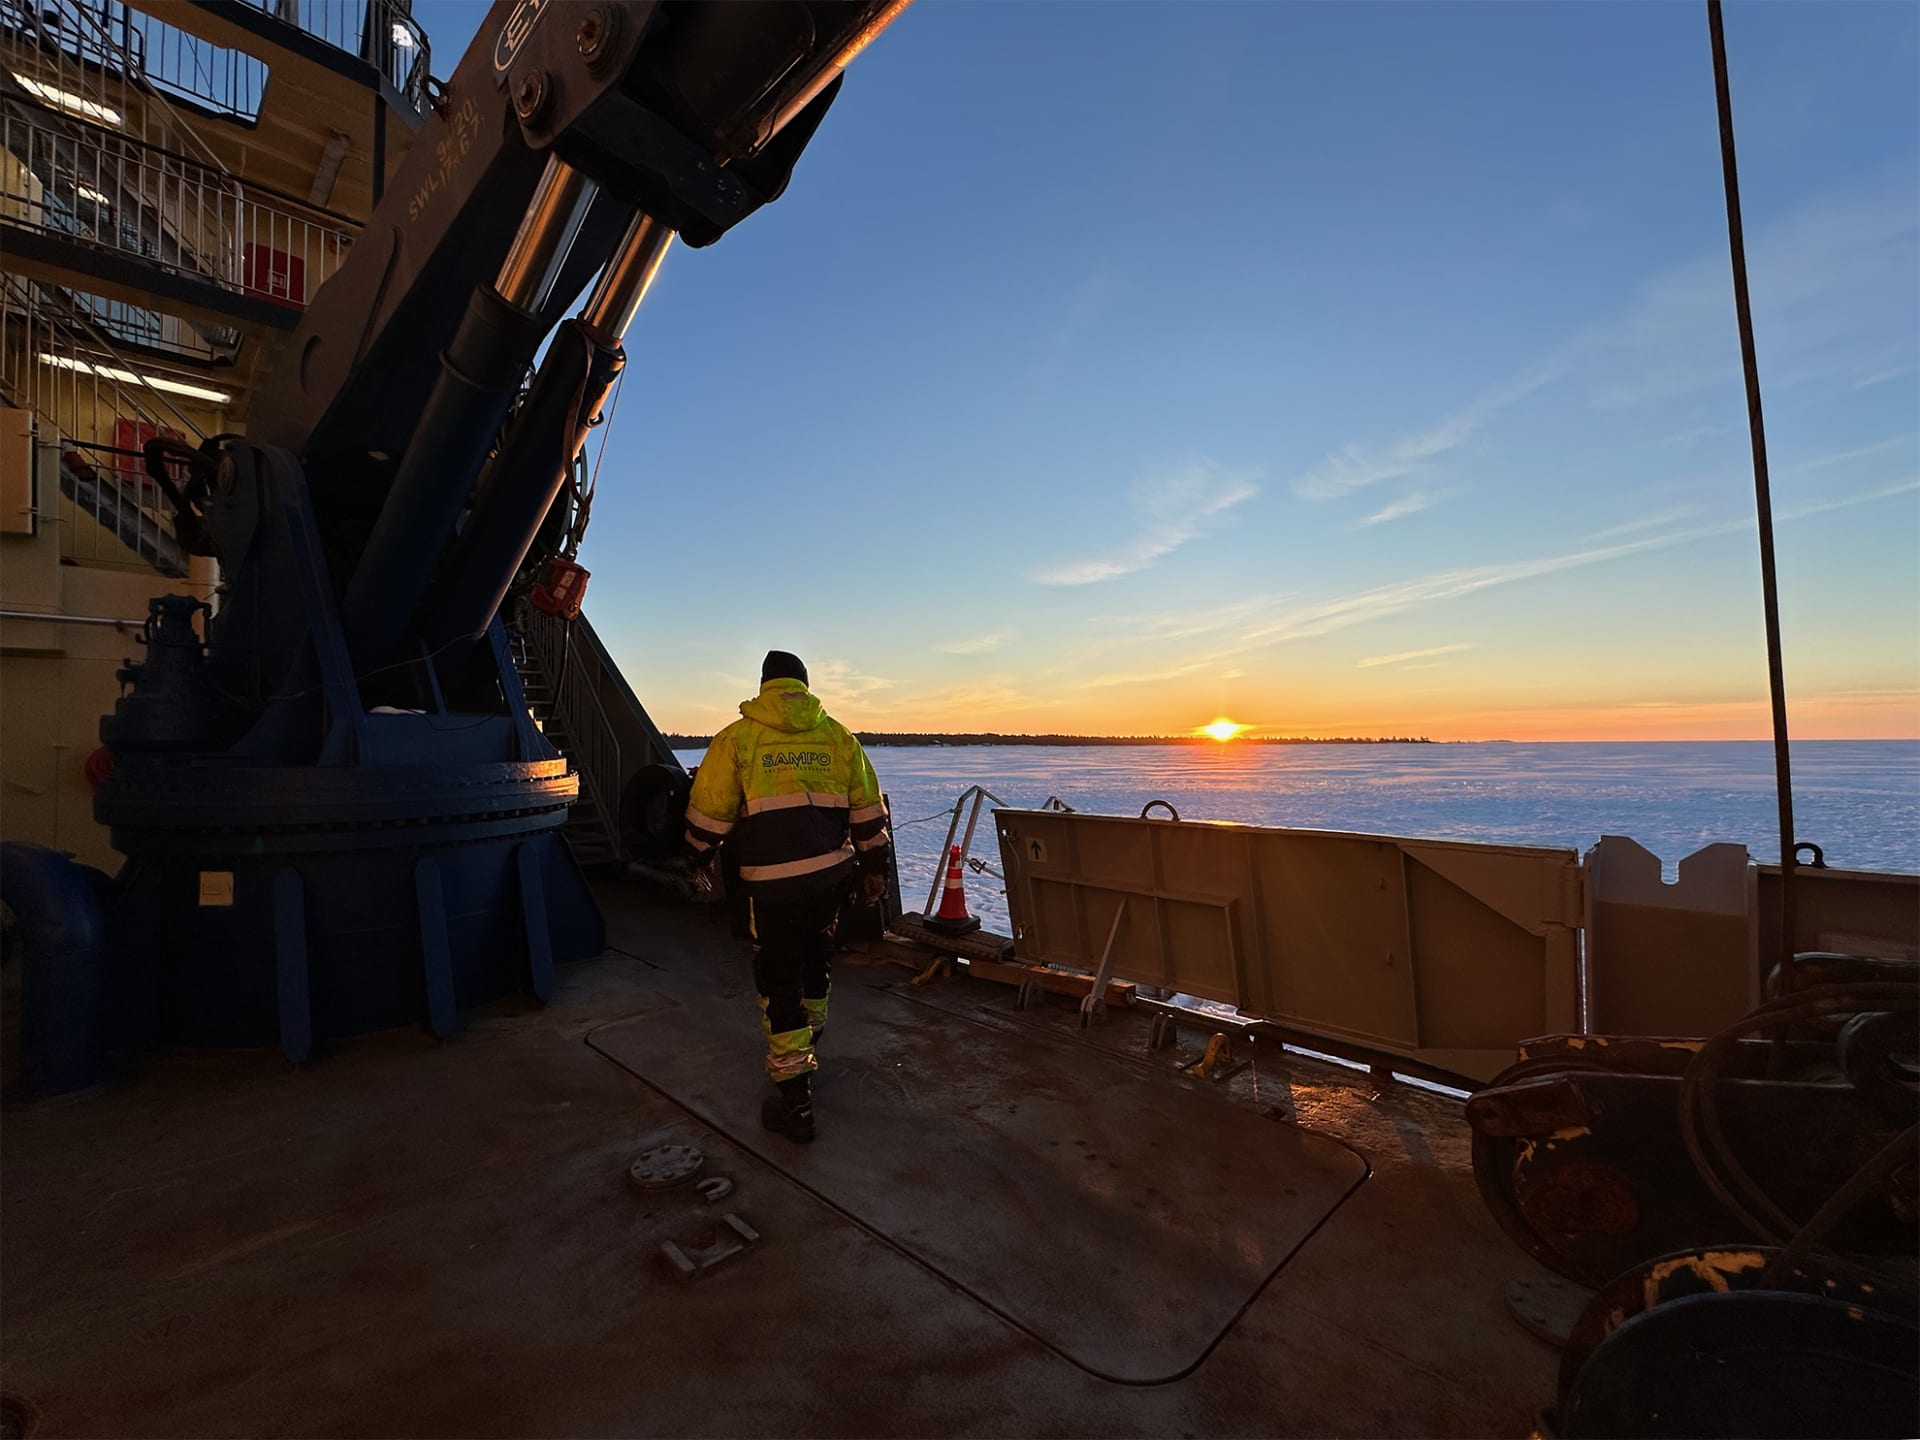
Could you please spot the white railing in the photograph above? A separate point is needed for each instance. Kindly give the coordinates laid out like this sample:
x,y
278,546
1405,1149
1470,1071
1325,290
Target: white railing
x,y
128,324
98,407
87,60
122,196
592,746
381,32
130,60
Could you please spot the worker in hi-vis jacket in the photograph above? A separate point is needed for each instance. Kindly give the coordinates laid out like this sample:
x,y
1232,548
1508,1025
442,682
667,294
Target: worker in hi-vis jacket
x,y
789,789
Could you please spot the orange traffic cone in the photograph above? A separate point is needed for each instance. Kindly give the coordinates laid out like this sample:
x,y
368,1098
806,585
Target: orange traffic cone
x,y
952,915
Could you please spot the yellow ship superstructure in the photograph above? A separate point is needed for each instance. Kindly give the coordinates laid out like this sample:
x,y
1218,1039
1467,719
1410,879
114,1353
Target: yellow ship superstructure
x,y
175,183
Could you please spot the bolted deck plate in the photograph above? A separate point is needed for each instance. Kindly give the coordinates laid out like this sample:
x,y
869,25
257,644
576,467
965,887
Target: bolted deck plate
x,y
665,1166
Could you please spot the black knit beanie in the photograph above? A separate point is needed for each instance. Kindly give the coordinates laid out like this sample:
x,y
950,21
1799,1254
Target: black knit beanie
x,y
779,665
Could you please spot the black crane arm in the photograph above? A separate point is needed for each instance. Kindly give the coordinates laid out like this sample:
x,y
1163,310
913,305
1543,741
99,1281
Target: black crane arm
x,y
572,139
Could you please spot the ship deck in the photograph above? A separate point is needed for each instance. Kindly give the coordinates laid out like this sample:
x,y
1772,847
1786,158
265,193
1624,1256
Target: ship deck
x,y
1009,1225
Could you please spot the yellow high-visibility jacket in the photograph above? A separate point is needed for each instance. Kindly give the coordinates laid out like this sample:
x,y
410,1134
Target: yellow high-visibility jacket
x,y
790,789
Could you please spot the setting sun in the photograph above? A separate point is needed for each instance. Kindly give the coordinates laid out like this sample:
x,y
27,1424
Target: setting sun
x,y
1222,729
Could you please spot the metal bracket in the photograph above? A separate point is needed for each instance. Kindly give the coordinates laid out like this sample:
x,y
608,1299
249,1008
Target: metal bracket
x,y
714,1189
979,795
1218,1063
1163,1034
1095,1001
942,965
735,1236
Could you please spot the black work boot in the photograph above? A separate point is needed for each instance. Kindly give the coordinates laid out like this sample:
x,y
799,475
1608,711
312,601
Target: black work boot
x,y
790,1113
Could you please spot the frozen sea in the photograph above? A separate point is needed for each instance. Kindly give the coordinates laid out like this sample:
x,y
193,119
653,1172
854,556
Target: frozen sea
x,y
1859,800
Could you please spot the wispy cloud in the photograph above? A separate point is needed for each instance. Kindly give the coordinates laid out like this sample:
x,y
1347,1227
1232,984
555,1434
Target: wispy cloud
x,y
1367,605
988,695
1862,452
978,644
1835,284
1405,655
1258,627
1146,629
1354,467
1693,434
1880,377
1088,299
1673,515
1834,290
837,680
1141,677
1407,505
1174,508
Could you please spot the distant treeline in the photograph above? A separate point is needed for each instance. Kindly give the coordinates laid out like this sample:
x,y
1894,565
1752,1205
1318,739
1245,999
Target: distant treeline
x,y
888,737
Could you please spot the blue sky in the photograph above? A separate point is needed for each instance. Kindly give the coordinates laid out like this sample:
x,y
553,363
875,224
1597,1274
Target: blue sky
x,y
1337,369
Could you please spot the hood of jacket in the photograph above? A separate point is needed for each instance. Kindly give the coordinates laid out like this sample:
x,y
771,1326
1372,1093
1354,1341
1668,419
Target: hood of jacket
x,y
784,705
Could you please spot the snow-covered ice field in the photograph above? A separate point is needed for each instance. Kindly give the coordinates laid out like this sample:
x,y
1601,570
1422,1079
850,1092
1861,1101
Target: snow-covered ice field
x,y
1860,800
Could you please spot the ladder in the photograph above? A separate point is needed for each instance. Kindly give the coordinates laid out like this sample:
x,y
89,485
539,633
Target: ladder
x,y
571,718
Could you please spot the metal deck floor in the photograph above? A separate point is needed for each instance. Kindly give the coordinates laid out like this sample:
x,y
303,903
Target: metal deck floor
x,y
1120,1219
418,1238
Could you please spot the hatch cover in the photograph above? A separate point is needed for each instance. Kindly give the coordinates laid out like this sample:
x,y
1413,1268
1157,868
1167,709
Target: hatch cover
x,y
1122,1217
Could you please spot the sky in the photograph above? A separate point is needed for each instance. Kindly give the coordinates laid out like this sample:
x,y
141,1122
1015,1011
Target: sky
x,y
1334,369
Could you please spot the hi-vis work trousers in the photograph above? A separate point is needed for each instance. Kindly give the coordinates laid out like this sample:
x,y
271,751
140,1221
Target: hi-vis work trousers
x,y
793,927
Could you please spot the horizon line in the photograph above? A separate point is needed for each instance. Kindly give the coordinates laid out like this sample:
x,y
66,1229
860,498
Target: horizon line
x,y
1192,738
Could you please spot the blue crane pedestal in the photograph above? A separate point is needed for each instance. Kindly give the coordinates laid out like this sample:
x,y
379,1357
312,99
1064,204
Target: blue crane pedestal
x,y
266,905
301,865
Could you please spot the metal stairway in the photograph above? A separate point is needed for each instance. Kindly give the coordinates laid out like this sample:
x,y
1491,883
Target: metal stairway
x,y
59,364
572,719
117,171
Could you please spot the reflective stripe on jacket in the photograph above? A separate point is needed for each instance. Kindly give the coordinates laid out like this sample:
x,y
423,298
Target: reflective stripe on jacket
x,y
789,788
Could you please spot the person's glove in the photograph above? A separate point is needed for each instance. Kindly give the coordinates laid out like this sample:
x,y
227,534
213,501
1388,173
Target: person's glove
x,y
700,870
873,889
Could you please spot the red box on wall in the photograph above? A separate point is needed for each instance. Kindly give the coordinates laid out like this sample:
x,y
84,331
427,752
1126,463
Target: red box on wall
x,y
274,275
132,435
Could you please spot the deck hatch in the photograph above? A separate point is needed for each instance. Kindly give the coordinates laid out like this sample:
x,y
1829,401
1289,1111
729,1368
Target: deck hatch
x,y
1122,1217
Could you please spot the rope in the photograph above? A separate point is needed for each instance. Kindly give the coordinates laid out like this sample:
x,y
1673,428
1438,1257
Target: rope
x,y
1763,501
583,497
924,819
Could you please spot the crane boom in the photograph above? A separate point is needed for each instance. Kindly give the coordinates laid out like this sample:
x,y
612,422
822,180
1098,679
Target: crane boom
x,y
337,811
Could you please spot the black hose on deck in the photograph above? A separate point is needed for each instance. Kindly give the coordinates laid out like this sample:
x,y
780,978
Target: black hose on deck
x,y
1706,1144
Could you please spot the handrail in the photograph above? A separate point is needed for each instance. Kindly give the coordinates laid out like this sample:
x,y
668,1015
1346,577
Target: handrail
x,y
124,54
380,32
59,619
92,39
194,220
29,303
593,746
979,794
61,369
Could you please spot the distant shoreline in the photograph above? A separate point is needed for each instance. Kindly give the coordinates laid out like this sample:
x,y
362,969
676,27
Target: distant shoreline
x,y
887,738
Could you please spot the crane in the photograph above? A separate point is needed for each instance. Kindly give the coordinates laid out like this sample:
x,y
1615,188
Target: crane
x,y
336,811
